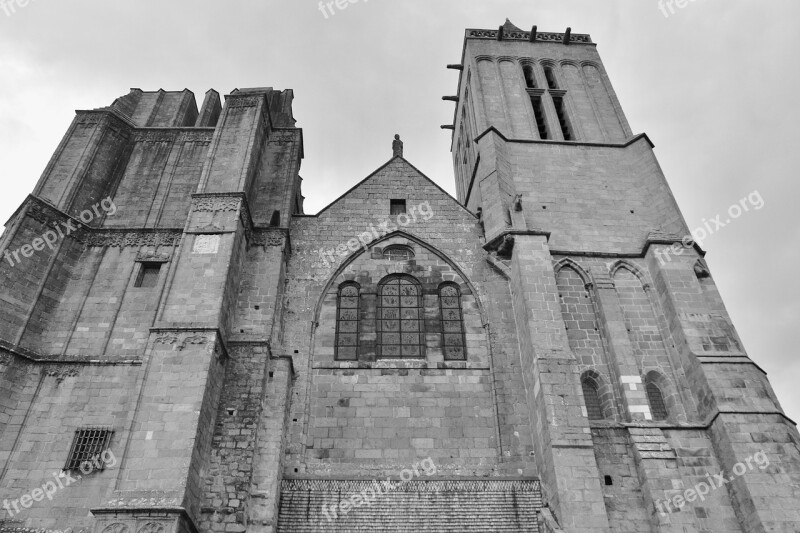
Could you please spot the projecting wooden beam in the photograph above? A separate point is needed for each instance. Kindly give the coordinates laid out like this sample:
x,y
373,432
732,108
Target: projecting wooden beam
x,y
456,67
448,127
450,98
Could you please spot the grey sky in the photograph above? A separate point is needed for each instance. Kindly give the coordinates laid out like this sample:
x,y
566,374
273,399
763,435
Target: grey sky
x,y
714,86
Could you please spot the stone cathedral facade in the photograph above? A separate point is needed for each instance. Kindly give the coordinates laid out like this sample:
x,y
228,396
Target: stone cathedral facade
x,y
183,349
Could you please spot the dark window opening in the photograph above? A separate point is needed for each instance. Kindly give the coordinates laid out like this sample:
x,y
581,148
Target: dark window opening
x,y
592,398
530,79
89,446
347,317
397,207
551,78
562,118
656,398
609,481
538,114
148,275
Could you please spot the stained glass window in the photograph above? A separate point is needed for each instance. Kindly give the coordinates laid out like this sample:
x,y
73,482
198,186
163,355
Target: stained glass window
x,y
347,315
400,318
452,323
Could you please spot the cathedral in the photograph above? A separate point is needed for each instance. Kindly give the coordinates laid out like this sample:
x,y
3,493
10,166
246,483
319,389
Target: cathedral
x,y
184,350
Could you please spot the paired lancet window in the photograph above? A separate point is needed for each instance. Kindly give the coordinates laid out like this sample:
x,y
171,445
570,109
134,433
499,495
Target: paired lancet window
x,y
538,106
399,318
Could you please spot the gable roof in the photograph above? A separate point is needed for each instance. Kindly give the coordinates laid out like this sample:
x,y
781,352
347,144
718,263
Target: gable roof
x,y
378,171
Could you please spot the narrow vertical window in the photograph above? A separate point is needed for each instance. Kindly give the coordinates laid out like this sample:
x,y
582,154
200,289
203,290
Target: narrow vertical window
x,y
452,323
558,101
538,113
530,79
656,398
592,398
347,315
551,78
400,318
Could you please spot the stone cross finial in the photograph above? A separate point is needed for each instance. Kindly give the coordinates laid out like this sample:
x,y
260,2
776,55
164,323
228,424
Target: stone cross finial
x,y
397,146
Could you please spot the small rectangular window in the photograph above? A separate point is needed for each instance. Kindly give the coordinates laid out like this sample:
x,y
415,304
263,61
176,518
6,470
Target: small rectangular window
x,y
148,275
397,207
89,446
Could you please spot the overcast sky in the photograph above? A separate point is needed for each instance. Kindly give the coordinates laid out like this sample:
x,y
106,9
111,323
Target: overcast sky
x,y
714,85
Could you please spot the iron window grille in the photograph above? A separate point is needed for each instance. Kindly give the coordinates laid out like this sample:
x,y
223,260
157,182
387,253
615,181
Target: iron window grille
x,y
88,446
398,253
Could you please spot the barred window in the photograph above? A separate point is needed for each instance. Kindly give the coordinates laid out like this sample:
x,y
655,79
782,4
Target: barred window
x,y
88,446
398,252
591,396
347,316
452,322
400,318
656,398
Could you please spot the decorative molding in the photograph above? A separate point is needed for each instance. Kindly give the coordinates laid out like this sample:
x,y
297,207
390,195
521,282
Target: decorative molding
x,y
268,237
347,486
150,256
183,340
240,101
116,527
214,203
196,136
124,239
526,36
61,372
154,136
152,527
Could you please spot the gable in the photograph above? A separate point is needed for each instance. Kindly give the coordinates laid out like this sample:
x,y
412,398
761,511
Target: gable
x,y
396,179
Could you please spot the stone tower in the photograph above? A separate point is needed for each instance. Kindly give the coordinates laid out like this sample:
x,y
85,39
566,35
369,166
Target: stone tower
x,y
182,349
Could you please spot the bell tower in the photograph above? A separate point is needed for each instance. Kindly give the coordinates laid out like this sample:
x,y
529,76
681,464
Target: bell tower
x,y
627,352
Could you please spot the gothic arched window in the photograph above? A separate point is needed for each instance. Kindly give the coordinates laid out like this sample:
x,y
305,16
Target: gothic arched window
x,y
452,322
656,398
347,315
591,396
400,318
